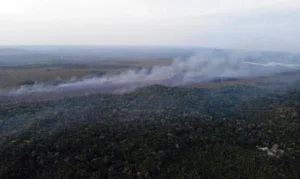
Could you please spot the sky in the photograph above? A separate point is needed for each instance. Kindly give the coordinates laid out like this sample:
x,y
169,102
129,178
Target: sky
x,y
237,24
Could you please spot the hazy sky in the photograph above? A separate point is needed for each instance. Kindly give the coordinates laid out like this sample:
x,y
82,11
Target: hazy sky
x,y
245,24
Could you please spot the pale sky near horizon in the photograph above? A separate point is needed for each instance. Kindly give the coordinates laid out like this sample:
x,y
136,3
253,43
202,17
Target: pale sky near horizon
x,y
241,24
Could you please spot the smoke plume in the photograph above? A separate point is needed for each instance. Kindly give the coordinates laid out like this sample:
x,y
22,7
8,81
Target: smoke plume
x,y
198,68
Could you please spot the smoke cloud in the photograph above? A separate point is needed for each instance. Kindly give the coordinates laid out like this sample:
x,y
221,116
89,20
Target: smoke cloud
x,y
199,68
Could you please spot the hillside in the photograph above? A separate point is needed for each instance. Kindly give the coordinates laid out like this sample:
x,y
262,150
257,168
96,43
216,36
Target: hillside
x,y
155,132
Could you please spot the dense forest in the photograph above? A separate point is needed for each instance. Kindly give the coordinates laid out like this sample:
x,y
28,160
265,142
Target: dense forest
x,y
155,132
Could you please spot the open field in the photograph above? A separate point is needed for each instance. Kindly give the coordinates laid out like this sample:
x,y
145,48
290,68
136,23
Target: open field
x,y
272,81
16,75
53,78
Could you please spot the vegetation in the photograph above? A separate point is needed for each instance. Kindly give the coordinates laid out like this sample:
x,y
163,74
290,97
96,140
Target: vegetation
x,y
155,132
28,82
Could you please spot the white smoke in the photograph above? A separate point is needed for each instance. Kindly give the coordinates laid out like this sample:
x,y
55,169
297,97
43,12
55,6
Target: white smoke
x,y
272,64
199,68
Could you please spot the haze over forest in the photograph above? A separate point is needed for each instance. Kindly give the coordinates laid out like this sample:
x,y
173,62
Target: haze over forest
x,y
145,89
